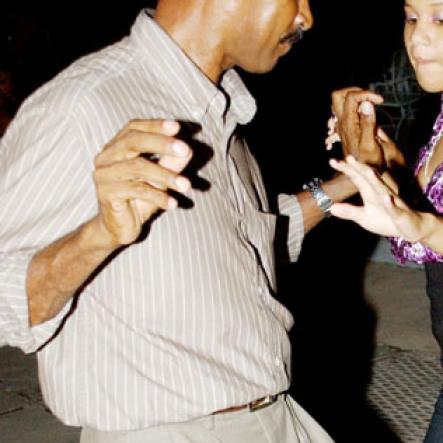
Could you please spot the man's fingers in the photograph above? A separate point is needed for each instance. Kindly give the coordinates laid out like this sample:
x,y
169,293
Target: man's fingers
x,y
349,99
349,121
141,170
358,103
136,142
117,197
355,99
165,127
176,164
367,122
339,97
370,150
126,208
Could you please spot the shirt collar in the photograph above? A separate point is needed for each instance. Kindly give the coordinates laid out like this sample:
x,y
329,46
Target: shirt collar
x,y
184,78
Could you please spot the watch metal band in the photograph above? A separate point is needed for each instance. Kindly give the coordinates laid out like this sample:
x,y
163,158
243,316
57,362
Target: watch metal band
x,y
322,199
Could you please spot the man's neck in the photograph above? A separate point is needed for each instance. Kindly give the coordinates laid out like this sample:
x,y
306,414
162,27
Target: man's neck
x,y
196,36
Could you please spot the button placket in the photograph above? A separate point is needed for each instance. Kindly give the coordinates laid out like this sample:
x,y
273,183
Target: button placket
x,y
272,339
278,362
217,170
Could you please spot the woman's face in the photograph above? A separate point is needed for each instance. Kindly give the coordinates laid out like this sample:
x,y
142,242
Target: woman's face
x,y
423,35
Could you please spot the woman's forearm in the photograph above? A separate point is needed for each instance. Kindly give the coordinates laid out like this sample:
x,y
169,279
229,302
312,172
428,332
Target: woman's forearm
x,y
431,231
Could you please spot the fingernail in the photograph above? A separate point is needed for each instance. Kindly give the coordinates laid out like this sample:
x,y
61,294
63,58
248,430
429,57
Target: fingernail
x,y
172,203
171,126
381,134
180,148
182,184
366,108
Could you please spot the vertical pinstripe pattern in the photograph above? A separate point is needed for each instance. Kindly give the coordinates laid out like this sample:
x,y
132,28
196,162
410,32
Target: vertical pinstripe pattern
x,y
184,322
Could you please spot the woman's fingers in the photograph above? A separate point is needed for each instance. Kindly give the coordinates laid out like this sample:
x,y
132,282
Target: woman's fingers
x,y
346,211
363,176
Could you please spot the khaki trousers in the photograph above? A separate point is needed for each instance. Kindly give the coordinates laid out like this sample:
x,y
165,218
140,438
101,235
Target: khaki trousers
x,y
282,422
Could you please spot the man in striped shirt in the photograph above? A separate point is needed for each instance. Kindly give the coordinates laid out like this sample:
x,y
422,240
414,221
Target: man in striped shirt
x,y
148,291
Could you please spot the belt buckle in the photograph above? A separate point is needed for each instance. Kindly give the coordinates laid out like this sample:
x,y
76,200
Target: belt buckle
x,y
262,403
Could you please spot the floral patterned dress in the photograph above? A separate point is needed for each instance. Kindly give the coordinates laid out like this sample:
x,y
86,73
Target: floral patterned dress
x,y
403,250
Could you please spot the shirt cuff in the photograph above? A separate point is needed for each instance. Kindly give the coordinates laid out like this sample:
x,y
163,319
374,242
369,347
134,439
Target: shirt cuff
x,y
289,206
14,314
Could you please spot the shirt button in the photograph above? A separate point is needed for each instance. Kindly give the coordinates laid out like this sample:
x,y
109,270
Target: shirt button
x,y
196,114
278,362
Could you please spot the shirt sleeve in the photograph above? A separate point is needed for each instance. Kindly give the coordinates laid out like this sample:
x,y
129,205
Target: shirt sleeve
x,y
289,206
14,317
44,194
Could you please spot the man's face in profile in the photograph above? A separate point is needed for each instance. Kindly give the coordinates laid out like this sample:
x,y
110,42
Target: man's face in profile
x,y
265,30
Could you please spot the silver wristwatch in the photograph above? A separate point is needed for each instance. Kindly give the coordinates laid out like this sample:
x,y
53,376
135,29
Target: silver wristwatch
x,y
322,199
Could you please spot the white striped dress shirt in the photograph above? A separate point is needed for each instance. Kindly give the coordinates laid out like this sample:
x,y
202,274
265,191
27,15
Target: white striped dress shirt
x,y
184,322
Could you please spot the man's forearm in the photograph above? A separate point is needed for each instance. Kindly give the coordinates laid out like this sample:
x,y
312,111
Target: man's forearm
x,y
338,189
58,271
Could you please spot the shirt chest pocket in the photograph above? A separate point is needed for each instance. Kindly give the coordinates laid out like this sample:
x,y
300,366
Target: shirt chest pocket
x,y
258,230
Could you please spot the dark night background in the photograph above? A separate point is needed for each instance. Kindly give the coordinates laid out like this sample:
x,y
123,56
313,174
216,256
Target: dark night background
x,y
351,43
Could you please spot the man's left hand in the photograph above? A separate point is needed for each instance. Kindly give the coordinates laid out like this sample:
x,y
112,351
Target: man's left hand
x,y
356,124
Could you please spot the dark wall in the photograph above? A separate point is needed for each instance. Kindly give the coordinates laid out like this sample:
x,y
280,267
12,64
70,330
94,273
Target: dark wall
x,y
39,38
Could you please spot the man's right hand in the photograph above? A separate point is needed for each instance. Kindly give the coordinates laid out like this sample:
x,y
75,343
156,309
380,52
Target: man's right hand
x,y
131,188
133,174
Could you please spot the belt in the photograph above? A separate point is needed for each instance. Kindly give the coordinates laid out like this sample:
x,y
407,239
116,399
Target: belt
x,y
255,405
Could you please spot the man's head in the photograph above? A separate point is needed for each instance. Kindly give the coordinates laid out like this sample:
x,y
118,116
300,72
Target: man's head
x,y
264,30
219,34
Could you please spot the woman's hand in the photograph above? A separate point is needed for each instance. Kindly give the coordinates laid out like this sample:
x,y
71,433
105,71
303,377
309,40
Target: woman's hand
x,y
383,211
